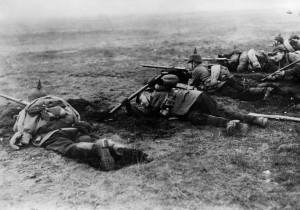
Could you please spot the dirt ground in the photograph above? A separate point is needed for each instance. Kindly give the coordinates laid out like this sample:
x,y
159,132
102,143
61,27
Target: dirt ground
x,y
194,167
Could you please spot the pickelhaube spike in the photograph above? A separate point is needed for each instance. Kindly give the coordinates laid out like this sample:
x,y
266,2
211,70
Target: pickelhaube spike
x,y
37,92
39,85
195,50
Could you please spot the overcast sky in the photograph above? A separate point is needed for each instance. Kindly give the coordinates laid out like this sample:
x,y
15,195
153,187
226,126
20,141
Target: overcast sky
x,y
88,8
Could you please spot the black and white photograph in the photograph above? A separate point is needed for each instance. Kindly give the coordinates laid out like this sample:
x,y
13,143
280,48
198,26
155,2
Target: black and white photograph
x,y
149,105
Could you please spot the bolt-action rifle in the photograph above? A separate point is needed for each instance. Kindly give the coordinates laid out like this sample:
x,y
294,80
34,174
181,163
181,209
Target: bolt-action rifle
x,y
104,115
279,70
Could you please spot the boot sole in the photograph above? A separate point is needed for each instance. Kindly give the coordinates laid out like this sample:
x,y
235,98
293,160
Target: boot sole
x,y
107,161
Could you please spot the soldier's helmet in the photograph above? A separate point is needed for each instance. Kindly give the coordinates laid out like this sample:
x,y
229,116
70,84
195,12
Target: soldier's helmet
x,y
294,36
169,80
195,58
37,92
279,39
83,126
279,48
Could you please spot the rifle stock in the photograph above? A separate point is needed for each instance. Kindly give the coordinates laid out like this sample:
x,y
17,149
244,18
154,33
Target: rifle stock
x,y
276,117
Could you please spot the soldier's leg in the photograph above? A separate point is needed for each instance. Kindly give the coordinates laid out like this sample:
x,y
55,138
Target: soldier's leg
x,y
259,92
197,118
82,150
243,62
125,154
204,104
229,91
235,114
253,60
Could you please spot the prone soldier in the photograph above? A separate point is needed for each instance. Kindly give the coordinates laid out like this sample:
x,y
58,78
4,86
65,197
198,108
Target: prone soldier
x,y
164,99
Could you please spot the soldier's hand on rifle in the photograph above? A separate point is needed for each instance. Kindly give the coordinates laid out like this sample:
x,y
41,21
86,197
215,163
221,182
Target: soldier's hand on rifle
x,y
271,77
281,73
152,81
125,102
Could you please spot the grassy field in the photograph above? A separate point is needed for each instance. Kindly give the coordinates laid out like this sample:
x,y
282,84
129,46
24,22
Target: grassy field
x,y
194,167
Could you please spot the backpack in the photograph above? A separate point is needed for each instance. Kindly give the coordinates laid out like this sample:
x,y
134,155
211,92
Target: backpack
x,y
45,114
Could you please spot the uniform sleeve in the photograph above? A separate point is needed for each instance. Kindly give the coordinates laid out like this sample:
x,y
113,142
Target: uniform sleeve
x,y
292,71
296,68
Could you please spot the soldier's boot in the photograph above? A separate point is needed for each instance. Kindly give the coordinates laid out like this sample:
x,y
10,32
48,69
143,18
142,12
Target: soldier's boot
x,y
127,154
249,119
232,127
243,128
99,150
260,121
216,121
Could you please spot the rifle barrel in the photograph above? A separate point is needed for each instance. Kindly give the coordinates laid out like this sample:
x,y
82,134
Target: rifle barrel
x,y
134,94
20,101
164,67
214,59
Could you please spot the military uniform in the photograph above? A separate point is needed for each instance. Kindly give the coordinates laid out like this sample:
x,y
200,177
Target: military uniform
x,y
195,106
292,44
218,79
252,60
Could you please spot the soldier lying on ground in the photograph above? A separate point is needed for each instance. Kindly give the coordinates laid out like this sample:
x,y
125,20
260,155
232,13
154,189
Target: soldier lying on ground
x,y
50,122
192,105
219,80
281,56
248,61
292,44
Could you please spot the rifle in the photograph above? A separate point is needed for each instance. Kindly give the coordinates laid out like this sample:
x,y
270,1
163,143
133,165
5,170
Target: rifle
x,y
279,70
276,117
168,68
210,59
150,83
19,101
182,73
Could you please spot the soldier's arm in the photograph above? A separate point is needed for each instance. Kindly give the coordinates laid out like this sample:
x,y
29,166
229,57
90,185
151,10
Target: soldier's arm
x,y
292,71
